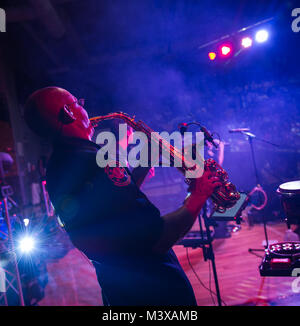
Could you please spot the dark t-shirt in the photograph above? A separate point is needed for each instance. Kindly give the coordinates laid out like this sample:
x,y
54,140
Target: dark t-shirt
x,y
115,225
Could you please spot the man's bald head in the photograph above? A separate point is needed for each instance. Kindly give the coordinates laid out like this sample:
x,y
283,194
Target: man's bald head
x,y
53,111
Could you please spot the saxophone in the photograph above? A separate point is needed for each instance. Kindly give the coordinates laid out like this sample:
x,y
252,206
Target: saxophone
x,y
224,197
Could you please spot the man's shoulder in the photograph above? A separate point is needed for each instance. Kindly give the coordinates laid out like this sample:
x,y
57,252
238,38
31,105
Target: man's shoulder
x,y
71,156
75,144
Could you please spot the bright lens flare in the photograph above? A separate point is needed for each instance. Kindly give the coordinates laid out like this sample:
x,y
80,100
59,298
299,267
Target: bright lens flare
x,y
261,36
212,56
246,42
26,221
26,244
225,50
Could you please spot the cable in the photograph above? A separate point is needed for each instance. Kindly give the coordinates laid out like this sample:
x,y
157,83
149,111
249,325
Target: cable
x,y
219,137
197,276
259,188
199,280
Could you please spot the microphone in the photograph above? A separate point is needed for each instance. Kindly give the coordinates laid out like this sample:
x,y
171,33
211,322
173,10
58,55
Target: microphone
x,y
208,136
239,130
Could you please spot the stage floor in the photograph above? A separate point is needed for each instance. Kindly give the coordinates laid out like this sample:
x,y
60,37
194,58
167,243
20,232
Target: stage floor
x,y
72,281
239,278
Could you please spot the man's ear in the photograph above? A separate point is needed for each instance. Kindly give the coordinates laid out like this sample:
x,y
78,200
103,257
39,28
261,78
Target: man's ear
x,y
66,116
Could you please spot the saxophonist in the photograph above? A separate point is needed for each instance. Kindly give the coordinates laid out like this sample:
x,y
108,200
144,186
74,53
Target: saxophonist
x,y
105,213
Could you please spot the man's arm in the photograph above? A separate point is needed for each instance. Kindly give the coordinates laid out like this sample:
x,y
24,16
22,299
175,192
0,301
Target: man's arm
x,y
139,174
178,223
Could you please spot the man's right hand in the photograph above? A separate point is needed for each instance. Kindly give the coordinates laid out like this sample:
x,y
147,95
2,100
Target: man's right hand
x,y
178,223
205,185
201,189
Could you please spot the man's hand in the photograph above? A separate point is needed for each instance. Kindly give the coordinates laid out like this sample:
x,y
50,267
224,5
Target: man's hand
x,y
201,189
205,185
178,223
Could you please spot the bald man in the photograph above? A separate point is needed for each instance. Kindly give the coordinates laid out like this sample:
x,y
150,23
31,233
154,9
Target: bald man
x,y
110,220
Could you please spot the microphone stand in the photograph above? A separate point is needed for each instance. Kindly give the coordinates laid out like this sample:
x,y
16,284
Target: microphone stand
x,y
206,242
250,137
208,252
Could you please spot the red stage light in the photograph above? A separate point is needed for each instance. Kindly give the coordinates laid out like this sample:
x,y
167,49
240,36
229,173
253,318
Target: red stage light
x,y
212,55
226,50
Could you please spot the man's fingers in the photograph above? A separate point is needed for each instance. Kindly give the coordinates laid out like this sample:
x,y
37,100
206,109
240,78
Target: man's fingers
x,y
207,174
217,184
214,179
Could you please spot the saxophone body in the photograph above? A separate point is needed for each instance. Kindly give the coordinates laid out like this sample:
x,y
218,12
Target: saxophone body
x,y
224,197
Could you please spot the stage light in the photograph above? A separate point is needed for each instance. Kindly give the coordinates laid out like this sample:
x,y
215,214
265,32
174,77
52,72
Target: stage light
x,y
261,36
212,56
226,50
26,244
246,42
26,221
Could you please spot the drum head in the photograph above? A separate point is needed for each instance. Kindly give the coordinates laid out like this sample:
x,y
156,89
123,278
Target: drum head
x,y
289,193
290,187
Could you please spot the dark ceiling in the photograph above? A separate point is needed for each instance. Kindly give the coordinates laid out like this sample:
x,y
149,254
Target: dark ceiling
x,y
112,51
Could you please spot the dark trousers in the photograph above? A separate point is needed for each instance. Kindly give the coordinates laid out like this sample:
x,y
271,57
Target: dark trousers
x,y
122,286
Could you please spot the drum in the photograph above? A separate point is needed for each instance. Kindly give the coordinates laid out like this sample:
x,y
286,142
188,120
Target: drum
x,y
289,193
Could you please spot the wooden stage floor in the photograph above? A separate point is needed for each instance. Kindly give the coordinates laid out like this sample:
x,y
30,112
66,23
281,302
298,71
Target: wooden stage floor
x,y
72,280
237,269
